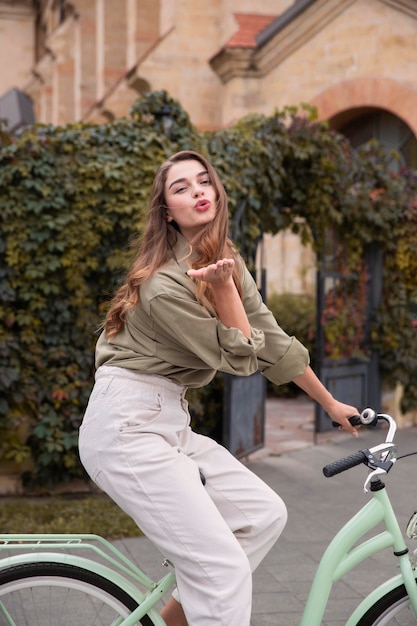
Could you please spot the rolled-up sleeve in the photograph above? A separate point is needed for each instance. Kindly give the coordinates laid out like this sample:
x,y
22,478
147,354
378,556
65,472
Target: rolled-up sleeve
x,y
234,341
290,365
282,358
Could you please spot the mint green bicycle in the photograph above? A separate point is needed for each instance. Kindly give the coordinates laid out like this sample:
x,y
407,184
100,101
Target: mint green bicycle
x,y
82,580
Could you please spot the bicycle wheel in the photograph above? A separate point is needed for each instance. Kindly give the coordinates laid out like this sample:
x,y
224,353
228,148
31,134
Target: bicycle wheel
x,y
56,594
391,610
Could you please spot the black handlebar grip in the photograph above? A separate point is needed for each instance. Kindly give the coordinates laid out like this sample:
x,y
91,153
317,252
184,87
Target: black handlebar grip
x,y
337,467
355,420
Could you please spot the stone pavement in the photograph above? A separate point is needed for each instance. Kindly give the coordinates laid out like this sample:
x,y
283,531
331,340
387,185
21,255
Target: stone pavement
x,y
289,426
292,464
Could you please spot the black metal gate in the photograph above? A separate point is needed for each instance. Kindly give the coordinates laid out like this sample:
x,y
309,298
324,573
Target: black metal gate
x,y
244,397
346,301
244,413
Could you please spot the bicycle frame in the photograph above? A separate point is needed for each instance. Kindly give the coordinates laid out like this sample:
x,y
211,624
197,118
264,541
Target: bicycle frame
x,y
341,557
119,569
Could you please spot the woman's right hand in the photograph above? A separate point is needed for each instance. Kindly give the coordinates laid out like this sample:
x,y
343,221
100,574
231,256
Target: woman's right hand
x,y
229,306
217,274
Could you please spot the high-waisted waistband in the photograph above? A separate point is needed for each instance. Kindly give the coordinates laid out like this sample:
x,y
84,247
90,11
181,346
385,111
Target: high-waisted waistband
x,y
161,382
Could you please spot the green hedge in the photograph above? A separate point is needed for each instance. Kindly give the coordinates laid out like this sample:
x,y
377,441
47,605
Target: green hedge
x,y
71,199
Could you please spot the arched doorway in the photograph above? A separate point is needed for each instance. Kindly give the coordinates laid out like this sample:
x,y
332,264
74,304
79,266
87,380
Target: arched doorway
x,y
363,124
351,372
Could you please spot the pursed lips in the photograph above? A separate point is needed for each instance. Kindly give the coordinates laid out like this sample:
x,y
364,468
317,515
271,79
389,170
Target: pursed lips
x,y
202,205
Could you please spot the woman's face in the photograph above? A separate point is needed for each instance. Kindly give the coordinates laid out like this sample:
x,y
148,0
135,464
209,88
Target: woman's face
x,y
190,197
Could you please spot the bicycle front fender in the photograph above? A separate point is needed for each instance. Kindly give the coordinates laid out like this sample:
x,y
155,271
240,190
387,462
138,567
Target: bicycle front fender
x,y
374,596
77,561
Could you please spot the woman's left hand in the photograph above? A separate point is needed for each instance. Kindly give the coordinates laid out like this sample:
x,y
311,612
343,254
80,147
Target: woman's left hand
x,y
340,413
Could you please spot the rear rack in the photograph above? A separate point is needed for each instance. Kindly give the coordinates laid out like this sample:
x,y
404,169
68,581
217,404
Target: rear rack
x,y
94,544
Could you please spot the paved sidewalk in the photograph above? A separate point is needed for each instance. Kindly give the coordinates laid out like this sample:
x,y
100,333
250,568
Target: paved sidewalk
x,y
317,508
289,426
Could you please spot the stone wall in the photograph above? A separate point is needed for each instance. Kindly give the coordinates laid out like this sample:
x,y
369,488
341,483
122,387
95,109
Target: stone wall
x,y
17,44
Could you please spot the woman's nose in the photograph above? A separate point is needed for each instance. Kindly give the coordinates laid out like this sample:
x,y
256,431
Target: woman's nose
x,y
197,190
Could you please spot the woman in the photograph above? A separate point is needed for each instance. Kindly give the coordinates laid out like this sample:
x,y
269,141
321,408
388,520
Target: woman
x,y
189,308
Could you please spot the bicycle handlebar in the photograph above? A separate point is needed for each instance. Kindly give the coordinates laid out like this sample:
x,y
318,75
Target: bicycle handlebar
x,y
337,467
369,418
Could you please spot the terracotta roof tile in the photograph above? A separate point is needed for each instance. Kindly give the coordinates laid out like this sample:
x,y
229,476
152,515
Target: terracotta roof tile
x,y
250,25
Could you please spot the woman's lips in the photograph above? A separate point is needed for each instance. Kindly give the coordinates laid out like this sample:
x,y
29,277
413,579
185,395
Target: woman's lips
x,y
202,205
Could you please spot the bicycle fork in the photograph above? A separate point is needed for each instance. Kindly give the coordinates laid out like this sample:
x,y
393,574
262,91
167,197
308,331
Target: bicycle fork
x,y
341,557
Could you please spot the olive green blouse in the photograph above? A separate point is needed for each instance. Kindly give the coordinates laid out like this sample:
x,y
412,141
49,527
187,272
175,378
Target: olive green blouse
x,y
171,334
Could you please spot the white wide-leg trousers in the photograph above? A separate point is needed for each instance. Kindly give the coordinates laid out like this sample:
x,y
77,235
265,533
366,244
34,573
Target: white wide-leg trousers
x,y
136,444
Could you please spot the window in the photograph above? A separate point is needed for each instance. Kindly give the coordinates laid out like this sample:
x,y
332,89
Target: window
x,y
390,131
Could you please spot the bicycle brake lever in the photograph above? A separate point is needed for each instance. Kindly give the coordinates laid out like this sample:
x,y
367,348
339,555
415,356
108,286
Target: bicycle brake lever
x,y
382,466
377,472
384,449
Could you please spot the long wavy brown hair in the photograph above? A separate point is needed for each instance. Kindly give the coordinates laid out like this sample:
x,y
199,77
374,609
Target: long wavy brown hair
x,y
159,237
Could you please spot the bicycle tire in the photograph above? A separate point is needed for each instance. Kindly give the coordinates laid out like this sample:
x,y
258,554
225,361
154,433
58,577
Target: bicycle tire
x,y
391,610
58,594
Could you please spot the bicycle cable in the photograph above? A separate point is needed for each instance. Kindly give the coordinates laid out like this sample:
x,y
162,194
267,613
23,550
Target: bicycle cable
x,y
403,456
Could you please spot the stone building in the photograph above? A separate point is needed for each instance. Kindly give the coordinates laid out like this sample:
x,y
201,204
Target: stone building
x,y
355,60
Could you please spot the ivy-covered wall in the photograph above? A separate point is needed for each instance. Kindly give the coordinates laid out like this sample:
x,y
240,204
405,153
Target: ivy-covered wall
x,y
73,197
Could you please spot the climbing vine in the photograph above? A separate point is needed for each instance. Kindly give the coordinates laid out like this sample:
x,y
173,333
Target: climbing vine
x,y
73,200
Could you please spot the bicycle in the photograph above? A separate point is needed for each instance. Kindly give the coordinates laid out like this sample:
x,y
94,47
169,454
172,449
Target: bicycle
x,y
46,579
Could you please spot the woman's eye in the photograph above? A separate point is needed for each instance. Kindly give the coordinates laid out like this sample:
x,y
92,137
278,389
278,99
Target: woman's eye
x,y
206,181
180,189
